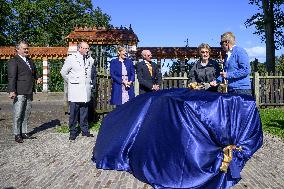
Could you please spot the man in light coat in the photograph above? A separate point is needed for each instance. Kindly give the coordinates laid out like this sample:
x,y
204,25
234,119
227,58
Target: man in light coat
x,y
77,72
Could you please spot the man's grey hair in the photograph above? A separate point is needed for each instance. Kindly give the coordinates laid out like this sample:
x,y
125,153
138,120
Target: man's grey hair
x,y
228,36
21,42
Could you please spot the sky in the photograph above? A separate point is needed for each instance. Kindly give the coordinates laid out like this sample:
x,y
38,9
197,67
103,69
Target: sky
x,y
169,23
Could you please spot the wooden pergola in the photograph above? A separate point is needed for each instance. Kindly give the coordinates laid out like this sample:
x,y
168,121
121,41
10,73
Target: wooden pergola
x,y
177,52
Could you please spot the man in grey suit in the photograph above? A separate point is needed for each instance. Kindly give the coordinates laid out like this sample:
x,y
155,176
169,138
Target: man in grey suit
x,y
77,72
148,74
21,78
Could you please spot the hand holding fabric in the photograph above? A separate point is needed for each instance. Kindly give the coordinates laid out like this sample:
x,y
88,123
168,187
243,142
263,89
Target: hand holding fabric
x,y
12,95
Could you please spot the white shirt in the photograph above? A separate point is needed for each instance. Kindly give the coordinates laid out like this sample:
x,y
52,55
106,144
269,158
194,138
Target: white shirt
x,y
24,58
229,53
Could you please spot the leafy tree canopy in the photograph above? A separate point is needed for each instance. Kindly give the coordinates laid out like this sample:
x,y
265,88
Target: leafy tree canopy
x,y
47,22
275,11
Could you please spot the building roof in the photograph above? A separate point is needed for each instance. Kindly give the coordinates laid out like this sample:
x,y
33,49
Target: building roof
x,y
36,52
110,36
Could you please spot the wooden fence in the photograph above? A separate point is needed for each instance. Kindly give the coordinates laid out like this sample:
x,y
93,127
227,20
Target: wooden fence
x,y
268,89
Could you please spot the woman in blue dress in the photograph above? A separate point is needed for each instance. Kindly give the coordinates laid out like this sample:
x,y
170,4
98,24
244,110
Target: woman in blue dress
x,y
122,73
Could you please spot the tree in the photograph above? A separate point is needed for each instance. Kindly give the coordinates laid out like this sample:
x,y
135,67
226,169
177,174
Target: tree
x,y
48,22
280,63
181,66
269,24
6,11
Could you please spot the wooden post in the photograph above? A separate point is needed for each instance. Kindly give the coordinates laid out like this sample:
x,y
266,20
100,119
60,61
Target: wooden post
x,y
136,83
256,88
185,80
45,73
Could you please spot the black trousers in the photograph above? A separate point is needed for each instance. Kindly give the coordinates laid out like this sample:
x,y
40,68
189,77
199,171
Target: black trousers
x,y
76,109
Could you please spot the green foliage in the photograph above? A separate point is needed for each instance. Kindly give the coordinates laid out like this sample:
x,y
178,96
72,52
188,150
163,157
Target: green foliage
x,y
280,63
261,67
3,75
56,82
38,64
46,22
65,128
258,20
269,24
95,126
273,121
6,12
181,66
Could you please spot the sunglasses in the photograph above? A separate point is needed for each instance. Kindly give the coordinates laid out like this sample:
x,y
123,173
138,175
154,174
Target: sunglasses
x,y
203,52
223,42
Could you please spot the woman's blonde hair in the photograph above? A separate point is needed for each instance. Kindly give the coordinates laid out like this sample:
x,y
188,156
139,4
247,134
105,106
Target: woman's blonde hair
x,y
120,48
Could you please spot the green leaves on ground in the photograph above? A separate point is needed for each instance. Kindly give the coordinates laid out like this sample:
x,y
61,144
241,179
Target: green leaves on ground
x,y
65,128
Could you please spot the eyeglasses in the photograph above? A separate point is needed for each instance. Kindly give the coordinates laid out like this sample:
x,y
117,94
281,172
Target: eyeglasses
x,y
85,48
223,42
203,52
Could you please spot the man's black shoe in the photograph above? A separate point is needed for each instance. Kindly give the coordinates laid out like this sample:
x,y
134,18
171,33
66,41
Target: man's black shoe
x,y
18,139
87,135
27,136
72,137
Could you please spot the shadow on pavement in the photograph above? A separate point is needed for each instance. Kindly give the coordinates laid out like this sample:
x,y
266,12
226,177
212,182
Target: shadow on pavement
x,y
45,126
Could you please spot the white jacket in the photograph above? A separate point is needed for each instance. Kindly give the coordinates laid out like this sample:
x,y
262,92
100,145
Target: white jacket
x,y
78,77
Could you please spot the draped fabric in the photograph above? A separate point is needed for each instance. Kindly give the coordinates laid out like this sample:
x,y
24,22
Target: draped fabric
x,y
175,138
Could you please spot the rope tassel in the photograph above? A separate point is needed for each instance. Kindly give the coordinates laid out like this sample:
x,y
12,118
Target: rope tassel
x,y
228,156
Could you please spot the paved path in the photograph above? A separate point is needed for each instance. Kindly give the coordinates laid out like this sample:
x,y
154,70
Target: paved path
x,y
51,161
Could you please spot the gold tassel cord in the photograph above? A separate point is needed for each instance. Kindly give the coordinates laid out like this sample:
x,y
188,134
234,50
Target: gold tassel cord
x,y
228,156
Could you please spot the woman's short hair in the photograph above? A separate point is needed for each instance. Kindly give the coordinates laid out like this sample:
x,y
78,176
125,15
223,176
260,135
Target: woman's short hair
x,y
120,48
203,46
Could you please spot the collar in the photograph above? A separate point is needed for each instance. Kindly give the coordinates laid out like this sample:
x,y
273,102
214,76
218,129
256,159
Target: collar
x,y
79,55
147,62
208,64
231,50
22,57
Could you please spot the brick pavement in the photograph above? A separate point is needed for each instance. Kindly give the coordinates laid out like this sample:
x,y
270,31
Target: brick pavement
x,y
51,161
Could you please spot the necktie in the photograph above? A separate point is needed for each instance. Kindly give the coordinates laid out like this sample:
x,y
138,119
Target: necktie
x,y
150,68
27,62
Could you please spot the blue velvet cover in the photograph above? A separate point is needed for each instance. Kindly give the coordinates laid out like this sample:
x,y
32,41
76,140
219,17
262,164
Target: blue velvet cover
x,y
175,138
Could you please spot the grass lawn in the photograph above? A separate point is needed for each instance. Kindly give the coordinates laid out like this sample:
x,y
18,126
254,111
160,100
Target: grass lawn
x,y
65,129
273,121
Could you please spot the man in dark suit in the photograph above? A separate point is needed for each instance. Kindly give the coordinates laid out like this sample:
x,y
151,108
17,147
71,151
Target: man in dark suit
x,y
148,74
21,77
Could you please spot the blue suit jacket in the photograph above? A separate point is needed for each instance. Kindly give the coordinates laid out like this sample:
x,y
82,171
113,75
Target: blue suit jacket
x,y
238,69
116,76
